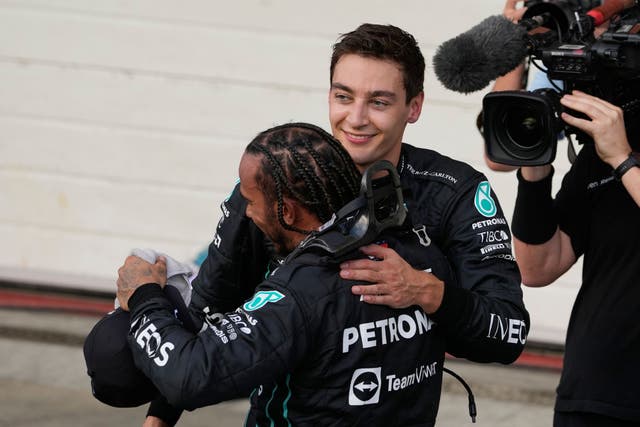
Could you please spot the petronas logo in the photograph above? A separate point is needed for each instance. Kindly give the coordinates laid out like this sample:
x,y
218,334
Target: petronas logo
x,y
483,201
260,299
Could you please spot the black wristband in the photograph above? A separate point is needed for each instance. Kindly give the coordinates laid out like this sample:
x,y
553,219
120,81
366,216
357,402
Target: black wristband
x,y
534,219
455,310
630,162
162,409
144,293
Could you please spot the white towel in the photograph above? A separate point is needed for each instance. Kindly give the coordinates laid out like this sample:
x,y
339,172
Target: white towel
x,y
178,274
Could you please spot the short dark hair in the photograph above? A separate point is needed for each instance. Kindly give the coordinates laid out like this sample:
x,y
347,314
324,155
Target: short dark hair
x,y
385,42
304,162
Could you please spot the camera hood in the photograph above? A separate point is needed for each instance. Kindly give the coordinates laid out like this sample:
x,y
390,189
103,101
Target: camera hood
x,y
557,15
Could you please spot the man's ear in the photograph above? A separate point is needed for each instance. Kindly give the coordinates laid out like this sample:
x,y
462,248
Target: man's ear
x,y
289,211
415,108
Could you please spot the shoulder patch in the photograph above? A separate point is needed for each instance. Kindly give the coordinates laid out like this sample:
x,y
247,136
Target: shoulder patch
x,y
262,298
483,201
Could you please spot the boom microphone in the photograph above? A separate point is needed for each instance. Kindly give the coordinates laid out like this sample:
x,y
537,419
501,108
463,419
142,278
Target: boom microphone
x,y
470,61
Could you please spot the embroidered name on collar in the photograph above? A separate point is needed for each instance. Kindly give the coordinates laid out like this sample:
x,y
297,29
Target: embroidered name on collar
x,y
437,174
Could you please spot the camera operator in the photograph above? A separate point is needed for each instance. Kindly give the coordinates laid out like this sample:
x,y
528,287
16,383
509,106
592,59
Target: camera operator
x,y
596,211
594,214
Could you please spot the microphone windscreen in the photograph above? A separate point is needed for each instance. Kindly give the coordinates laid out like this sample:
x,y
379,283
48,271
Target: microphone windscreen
x,y
470,61
504,42
461,66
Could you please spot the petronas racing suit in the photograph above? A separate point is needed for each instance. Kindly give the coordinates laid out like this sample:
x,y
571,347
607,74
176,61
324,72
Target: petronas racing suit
x,y
307,350
451,206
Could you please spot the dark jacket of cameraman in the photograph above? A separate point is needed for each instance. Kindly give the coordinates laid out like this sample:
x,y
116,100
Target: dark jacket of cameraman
x,y
600,373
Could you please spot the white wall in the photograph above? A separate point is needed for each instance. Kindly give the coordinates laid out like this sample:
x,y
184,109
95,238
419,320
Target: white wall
x,y
122,122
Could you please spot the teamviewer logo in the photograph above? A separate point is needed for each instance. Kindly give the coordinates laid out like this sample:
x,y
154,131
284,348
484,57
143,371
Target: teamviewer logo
x,y
365,387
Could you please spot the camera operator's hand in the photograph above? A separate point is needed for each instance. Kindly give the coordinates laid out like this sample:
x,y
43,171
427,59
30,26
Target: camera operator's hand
x,y
606,126
136,272
512,12
607,129
394,282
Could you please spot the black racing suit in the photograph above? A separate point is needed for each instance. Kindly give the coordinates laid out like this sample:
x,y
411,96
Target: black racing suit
x,y
482,316
308,350
451,206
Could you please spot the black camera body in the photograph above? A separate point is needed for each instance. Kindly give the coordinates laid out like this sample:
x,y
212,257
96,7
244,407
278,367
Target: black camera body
x,y
521,128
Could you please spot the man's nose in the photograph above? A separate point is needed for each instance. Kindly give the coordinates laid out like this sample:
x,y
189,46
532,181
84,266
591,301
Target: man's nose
x,y
358,114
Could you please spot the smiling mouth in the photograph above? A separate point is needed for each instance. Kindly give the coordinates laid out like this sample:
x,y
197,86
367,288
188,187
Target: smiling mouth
x,y
358,139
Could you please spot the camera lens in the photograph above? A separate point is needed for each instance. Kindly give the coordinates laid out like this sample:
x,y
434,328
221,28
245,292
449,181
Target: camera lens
x,y
523,127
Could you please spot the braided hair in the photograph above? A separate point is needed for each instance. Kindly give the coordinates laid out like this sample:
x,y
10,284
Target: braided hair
x,y
307,164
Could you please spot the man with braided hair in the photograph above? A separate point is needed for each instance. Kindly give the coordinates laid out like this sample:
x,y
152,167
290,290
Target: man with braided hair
x,y
308,350
322,179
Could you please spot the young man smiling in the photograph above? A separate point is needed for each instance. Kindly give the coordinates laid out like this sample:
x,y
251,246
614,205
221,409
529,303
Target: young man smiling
x,y
369,109
377,75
